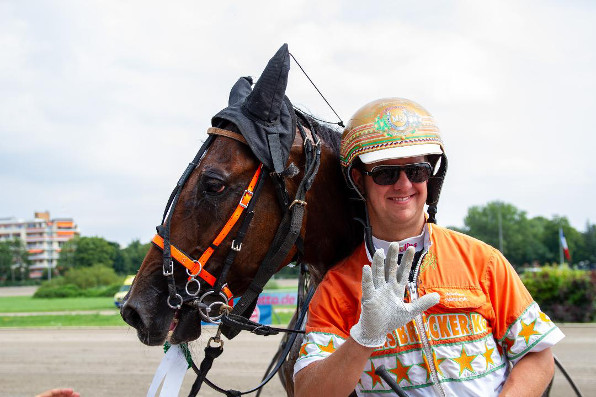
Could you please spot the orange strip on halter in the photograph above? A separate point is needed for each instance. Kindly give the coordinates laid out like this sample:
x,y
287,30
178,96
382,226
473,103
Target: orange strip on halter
x,y
187,262
198,266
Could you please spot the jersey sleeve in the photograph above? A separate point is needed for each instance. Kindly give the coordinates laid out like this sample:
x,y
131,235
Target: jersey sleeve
x,y
334,309
519,325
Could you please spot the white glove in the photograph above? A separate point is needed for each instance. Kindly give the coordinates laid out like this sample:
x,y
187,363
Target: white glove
x,y
383,306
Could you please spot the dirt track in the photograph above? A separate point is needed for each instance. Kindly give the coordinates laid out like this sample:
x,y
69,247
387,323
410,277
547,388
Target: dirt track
x,y
112,362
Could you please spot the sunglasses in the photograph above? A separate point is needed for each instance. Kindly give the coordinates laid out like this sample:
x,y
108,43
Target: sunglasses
x,y
389,174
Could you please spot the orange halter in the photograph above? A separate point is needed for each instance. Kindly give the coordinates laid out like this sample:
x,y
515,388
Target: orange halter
x,y
197,267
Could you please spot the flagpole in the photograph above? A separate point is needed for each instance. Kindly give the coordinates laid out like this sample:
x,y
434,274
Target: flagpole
x,y
560,246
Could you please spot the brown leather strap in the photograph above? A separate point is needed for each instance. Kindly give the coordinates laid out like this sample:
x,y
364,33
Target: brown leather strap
x,y
227,133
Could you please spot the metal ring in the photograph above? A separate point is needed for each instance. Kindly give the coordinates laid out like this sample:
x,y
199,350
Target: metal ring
x,y
190,280
205,313
177,306
200,269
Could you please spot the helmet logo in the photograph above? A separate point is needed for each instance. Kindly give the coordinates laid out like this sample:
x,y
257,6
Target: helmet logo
x,y
399,119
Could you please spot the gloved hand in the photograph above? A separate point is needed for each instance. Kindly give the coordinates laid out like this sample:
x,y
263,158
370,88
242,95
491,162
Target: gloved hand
x,y
383,306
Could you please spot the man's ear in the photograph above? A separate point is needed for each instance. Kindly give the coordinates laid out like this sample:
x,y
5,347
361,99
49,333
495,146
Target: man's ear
x,y
358,179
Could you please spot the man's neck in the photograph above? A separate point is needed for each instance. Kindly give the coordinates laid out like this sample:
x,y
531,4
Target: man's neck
x,y
398,233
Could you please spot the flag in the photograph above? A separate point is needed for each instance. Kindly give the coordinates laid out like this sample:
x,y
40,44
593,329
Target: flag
x,y
564,244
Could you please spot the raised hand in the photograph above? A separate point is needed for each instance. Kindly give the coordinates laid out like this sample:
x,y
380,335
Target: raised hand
x,y
383,306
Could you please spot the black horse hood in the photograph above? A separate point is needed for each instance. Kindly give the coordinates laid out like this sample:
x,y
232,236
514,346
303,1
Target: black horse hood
x,y
264,115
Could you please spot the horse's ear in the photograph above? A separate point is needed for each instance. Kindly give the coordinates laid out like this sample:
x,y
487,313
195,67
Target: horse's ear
x,y
240,90
264,116
266,100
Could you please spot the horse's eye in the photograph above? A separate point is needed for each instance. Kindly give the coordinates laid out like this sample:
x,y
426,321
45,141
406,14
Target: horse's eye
x,y
213,185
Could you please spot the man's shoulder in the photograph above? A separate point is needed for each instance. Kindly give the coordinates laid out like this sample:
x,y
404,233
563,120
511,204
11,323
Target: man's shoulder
x,y
442,234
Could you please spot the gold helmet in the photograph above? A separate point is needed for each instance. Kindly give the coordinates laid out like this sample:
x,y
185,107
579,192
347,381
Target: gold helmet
x,y
393,128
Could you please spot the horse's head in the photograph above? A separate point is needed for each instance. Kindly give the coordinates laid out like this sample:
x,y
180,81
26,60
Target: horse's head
x,y
209,199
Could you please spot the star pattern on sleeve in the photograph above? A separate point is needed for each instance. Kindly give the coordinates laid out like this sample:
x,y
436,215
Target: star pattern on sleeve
x,y
303,351
528,330
330,348
438,361
375,378
424,364
507,344
401,371
488,355
464,361
544,317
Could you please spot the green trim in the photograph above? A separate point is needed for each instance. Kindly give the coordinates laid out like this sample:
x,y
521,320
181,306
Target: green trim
x,y
518,318
325,333
529,347
392,139
444,380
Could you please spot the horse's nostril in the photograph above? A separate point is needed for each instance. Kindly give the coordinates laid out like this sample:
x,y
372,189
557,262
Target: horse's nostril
x,y
131,316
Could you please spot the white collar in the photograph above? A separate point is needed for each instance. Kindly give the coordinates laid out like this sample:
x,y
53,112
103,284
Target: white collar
x,y
419,242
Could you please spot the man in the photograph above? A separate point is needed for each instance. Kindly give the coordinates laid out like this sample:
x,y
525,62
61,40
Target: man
x,y
453,319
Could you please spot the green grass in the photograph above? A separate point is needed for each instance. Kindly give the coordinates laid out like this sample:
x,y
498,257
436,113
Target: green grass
x,y
27,304
78,320
24,304
283,317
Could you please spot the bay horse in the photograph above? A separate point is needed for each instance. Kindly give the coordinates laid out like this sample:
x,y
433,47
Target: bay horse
x,y
210,193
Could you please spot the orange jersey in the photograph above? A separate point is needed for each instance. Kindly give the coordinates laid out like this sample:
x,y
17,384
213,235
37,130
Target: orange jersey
x,y
485,319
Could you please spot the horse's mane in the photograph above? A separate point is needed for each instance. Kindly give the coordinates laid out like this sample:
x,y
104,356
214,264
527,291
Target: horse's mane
x,y
328,132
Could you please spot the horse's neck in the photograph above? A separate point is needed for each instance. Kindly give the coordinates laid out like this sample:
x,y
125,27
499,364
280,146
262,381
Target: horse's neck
x,y
331,232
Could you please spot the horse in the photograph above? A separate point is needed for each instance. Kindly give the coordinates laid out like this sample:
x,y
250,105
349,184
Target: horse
x,y
212,188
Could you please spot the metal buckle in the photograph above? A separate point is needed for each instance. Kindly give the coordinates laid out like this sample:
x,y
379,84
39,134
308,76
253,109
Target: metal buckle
x,y
242,198
171,269
299,202
236,247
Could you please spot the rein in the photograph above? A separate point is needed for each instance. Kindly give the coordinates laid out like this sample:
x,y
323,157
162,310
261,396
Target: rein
x,y
234,319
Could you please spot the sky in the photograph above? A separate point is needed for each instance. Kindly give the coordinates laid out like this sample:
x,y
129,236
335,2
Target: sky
x,y
103,103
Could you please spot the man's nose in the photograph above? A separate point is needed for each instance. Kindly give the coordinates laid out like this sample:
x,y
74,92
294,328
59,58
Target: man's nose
x,y
403,180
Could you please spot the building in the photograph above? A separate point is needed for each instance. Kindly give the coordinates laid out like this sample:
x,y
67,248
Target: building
x,y
43,237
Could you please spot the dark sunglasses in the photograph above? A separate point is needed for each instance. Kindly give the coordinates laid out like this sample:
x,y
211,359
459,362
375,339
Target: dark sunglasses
x,y
389,174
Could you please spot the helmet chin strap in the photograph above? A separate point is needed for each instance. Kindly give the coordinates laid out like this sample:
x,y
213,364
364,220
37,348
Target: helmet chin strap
x,y
368,233
432,212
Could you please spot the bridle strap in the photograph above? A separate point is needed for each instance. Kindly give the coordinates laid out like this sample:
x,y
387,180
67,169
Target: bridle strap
x,y
298,329
227,133
242,204
196,267
285,237
236,245
189,263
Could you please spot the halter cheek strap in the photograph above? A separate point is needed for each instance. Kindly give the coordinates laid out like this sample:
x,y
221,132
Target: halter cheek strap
x,y
197,267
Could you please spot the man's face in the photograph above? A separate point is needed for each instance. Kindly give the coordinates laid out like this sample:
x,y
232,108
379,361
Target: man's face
x,y
396,211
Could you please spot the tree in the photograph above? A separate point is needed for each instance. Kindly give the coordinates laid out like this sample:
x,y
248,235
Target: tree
x,y
133,256
552,241
66,257
525,241
119,261
5,260
86,252
14,260
506,228
588,252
